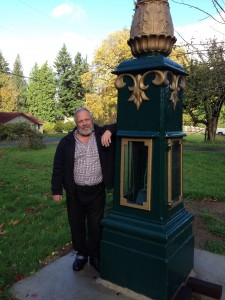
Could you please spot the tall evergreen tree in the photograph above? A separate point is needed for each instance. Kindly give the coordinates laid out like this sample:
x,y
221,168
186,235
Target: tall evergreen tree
x,y
80,67
20,84
41,93
64,78
4,66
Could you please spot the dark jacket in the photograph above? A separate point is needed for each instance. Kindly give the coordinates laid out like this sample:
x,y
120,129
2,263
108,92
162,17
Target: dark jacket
x,y
63,167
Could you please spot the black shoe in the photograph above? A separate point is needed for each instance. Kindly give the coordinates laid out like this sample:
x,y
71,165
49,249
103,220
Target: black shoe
x,y
94,261
79,262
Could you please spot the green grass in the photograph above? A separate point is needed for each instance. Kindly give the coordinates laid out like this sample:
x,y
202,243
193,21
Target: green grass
x,y
204,175
204,171
213,224
33,226
217,247
197,140
216,226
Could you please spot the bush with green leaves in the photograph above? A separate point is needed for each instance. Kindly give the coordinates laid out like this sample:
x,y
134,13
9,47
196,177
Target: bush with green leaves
x,y
49,127
3,132
69,126
27,137
59,126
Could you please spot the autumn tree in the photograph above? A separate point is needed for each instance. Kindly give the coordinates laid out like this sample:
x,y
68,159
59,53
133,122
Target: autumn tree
x,y
179,55
112,51
205,94
20,84
8,92
41,93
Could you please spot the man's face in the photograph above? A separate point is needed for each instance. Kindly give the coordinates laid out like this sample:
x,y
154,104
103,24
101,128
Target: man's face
x,y
84,123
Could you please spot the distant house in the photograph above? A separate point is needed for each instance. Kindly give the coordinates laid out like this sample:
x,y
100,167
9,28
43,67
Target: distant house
x,y
18,117
68,119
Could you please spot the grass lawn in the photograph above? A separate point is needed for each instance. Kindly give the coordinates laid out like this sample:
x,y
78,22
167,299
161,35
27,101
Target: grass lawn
x,y
33,227
203,173
197,140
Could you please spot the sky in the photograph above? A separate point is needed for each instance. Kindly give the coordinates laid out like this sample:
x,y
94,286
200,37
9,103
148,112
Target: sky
x,y
37,29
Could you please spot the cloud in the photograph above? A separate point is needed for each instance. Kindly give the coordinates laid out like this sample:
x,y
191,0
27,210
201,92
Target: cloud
x,y
75,12
201,31
47,49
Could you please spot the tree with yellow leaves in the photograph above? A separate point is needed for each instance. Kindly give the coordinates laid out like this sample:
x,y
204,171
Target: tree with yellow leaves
x,y
102,99
179,55
8,94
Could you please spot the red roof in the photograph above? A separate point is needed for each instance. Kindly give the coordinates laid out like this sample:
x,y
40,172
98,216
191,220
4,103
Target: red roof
x,y
8,116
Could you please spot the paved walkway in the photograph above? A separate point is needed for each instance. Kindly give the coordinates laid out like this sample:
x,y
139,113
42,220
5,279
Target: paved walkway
x,y
193,148
58,281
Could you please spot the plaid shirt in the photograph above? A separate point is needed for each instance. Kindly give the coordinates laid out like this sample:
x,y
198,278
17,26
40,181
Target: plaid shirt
x,y
87,167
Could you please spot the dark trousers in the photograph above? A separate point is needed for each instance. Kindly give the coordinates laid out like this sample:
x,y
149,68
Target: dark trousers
x,y
85,211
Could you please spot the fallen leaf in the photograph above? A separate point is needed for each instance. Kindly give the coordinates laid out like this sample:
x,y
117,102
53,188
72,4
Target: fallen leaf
x,y
1,229
32,211
19,277
14,222
34,295
47,194
15,187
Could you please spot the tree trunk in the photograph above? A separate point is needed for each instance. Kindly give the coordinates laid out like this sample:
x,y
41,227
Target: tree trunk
x,y
211,129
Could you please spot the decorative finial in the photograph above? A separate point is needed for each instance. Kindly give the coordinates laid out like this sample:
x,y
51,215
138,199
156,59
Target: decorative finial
x,y
152,28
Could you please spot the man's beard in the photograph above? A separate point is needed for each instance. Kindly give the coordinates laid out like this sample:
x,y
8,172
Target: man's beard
x,y
85,132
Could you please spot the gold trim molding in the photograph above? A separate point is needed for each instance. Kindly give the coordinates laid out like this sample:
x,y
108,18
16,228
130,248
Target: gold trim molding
x,y
176,83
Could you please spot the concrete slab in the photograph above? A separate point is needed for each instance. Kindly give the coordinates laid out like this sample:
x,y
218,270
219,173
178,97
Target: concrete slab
x,y
58,281
210,267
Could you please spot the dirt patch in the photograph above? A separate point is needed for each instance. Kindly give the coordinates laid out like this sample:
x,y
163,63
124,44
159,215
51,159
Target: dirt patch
x,y
197,208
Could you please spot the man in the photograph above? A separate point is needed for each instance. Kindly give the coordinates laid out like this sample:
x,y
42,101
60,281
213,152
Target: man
x,y
83,166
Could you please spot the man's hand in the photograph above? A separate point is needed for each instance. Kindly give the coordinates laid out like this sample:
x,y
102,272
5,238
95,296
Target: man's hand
x,y
106,138
57,198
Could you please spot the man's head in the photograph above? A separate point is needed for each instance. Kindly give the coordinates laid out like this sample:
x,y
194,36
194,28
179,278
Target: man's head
x,y
84,121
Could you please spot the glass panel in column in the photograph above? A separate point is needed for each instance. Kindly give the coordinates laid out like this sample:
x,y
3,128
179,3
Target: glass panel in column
x,y
136,161
175,180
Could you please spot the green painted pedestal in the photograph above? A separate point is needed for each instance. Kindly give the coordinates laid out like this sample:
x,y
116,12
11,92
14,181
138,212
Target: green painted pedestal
x,y
149,250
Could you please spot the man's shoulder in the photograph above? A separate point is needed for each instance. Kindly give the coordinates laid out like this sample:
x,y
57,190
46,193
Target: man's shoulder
x,y
68,137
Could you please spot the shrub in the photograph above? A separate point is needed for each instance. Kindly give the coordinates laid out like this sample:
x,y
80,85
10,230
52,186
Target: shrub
x,y
59,126
69,126
31,139
3,132
49,127
27,137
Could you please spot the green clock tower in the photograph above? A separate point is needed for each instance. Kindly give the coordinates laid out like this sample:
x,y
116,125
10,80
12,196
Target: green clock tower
x,y
147,244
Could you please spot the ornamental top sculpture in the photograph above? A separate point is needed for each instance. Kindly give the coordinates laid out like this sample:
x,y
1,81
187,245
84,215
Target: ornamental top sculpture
x,y
152,28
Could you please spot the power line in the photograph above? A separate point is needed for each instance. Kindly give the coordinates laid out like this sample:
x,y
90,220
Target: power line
x,y
17,33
